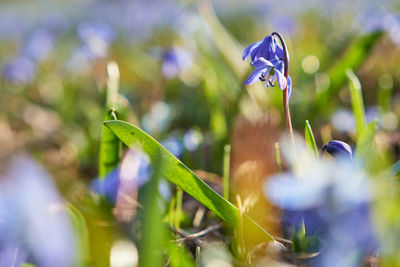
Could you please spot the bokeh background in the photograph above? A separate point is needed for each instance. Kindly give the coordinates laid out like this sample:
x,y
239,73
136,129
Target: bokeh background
x,y
179,71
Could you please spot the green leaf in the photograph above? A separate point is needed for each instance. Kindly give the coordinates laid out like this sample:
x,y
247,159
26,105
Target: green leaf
x,y
81,234
179,256
177,173
310,140
357,102
365,149
154,234
110,148
390,172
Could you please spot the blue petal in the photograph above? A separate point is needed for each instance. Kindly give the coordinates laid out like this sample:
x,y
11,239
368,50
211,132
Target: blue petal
x,y
250,49
263,62
279,51
289,87
338,149
281,79
255,75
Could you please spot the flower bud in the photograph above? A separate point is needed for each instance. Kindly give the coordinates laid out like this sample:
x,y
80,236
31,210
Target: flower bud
x,y
338,149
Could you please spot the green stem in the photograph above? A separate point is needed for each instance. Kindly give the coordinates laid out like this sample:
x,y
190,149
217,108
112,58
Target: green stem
x,y
285,91
178,211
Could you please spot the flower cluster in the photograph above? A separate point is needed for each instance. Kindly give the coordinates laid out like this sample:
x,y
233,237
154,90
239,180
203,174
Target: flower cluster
x,y
268,58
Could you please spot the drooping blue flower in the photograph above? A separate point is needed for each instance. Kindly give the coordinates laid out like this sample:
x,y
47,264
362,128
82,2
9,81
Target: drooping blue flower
x,y
338,149
267,57
268,48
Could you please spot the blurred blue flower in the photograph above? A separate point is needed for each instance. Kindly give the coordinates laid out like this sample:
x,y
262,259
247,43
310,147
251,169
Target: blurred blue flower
x,y
34,224
173,145
192,139
158,119
97,37
19,70
39,45
333,198
338,149
267,57
133,173
174,61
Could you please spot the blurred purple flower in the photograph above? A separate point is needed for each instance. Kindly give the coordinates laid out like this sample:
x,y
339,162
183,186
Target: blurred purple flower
x,y
34,225
267,57
19,70
192,139
158,119
39,45
97,36
173,145
174,61
343,120
133,173
333,198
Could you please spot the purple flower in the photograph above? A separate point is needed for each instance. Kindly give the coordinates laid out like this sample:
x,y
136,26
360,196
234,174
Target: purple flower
x,y
174,61
40,44
338,149
333,199
97,37
19,70
267,57
35,226
268,48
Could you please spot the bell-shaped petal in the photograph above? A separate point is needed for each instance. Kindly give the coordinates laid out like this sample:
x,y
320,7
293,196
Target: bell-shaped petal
x,y
281,79
262,66
250,49
289,87
255,75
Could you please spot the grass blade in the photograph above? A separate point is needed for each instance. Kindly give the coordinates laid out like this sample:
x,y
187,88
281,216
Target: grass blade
x,y
365,149
81,233
227,158
310,140
110,148
357,102
180,175
154,234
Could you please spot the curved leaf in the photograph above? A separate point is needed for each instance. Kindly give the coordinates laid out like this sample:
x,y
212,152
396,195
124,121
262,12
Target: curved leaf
x,y
177,173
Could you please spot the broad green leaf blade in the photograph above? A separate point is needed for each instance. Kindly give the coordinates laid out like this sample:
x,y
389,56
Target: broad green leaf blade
x,y
310,140
110,148
177,173
357,102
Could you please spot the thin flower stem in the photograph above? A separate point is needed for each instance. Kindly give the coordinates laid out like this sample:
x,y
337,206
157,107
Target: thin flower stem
x,y
285,92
